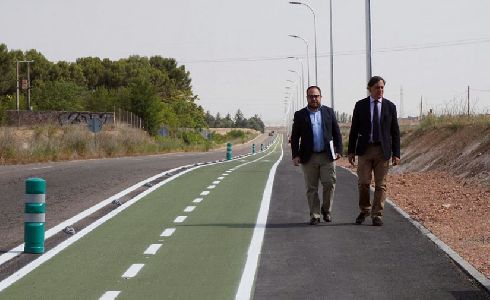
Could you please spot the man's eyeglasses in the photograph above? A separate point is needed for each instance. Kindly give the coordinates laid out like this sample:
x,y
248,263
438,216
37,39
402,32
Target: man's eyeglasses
x,y
313,96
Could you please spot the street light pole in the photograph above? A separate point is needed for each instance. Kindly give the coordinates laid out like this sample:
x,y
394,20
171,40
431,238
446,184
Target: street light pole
x,y
299,79
307,55
368,40
314,28
331,59
302,78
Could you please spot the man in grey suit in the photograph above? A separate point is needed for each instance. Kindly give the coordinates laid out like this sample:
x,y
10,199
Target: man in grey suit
x,y
375,137
315,144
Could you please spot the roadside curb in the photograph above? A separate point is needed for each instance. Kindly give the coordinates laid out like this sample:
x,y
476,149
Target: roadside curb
x,y
482,280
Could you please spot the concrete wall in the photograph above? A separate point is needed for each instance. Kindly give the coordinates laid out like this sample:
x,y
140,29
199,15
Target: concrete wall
x,y
31,118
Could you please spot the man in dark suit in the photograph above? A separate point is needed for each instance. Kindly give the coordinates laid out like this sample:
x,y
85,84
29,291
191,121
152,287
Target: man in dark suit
x,y
375,137
315,144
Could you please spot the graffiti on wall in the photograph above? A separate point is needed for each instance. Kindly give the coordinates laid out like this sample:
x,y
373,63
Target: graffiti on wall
x,y
67,118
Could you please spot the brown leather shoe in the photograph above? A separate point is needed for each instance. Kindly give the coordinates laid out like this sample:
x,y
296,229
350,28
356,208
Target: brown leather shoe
x,y
361,218
377,221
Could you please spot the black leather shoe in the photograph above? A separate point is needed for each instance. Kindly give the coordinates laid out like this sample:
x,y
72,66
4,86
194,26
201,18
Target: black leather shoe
x,y
326,216
377,221
361,218
314,221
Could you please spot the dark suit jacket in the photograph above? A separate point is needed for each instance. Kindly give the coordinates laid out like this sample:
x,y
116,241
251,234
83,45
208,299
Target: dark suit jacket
x,y
361,128
302,133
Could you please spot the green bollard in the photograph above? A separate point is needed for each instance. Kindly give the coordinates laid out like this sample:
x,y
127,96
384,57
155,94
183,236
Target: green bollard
x,y
34,218
253,148
228,151
261,147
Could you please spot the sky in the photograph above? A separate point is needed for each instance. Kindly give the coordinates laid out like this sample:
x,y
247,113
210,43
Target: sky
x,y
236,51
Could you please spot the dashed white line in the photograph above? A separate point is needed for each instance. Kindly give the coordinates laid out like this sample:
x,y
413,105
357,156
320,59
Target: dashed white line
x,y
133,270
168,232
225,174
216,182
204,193
211,187
40,168
197,200
152,249
110,295
221,178
189,208
180,219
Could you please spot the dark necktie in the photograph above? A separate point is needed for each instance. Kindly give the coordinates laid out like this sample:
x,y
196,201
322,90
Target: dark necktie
x,y
375,122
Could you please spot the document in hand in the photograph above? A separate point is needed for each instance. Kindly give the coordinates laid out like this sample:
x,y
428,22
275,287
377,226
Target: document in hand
x,y
332,150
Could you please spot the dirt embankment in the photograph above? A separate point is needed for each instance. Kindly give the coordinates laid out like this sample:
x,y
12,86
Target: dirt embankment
x,y
443,182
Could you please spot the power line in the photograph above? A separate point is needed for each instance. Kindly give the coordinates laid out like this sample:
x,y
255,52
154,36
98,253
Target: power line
x,y
347,52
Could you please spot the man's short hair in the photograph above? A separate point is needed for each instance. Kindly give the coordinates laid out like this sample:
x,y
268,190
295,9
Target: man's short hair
x,y
313,87
374,80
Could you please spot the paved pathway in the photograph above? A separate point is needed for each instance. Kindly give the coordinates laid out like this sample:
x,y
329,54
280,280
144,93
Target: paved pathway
x,y
346,261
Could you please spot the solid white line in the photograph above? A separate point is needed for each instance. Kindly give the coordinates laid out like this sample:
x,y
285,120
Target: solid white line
x,y
152,249
168,232
63,245
248,275
221,178
197,200
58,228
133,270
110,295
66,243
204,193
189,208
211,187
180,219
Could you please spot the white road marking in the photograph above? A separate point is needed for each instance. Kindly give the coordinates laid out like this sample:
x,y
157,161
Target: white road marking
x,y
133,270
110,295
248,275
211,187
180,219
221,178
58,228
66,243
152,249
225,174
40,168
197,200
216,182
168,232
228,171
204,193
189,208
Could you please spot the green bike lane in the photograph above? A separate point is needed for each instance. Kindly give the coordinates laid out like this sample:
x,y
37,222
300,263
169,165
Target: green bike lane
x,y
200,257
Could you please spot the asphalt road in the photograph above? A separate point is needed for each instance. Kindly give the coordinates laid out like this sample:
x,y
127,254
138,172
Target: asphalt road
x,y
74,186
341,260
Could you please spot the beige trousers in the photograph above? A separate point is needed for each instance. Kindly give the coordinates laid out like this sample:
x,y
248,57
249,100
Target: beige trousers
x,y
372,161
319,169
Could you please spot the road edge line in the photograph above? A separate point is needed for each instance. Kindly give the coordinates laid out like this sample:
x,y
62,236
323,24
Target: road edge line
x,y
248,276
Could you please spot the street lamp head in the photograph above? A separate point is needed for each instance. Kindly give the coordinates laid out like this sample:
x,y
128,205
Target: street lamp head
x,y
295,2
293,36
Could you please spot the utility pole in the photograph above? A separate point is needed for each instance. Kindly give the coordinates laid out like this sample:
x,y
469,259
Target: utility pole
x,y
468,100
28,83
17,93
421,99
